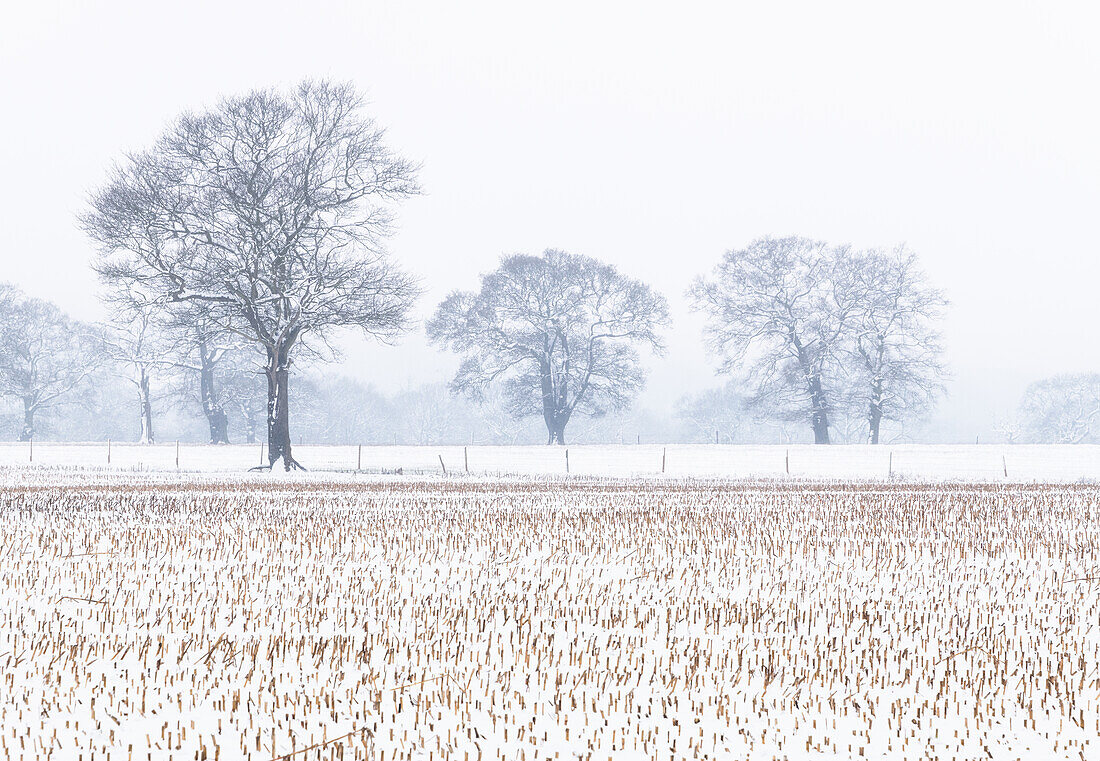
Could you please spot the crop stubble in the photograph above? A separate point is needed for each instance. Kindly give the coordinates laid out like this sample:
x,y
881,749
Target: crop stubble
x,y
483,619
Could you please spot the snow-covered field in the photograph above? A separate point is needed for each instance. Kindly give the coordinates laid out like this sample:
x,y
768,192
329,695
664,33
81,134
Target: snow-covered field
x,y
155,615
912,461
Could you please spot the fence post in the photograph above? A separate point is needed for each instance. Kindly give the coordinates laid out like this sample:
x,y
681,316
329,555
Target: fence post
x,y
787,462
442,465
664,453
715,435
1004,464
108,451
639,438
31,441
177,454
890,472
359,461
261,454
466,458
566,460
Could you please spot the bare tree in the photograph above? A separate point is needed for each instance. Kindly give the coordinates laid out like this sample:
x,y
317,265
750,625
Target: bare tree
x,y
131,343
558,330
245,391
1064,409
221,380
729,415
492,414
718,414
778,310
426,413
894,352
341,410
1009,428
271,208
44,354
206,356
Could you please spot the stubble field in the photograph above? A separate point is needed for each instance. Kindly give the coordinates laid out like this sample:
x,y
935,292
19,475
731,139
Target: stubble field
x,y
228,618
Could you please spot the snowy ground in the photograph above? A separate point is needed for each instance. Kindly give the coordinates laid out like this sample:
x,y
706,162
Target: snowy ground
x,y
1066,464
152,616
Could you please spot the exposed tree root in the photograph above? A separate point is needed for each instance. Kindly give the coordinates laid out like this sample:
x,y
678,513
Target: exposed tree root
x,y
289,463
292,464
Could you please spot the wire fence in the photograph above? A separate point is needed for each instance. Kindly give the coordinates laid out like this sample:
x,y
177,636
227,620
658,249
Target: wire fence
x,y
1054,463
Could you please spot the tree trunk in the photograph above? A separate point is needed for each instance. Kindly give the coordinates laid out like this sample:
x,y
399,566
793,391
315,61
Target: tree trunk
x,y
249,424
874,414
215,415
555,427
219,426
551,414
278,410
819,416
28,420
147,436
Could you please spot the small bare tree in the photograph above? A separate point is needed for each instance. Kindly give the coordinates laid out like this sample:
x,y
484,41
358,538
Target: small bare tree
x,y
492,414
244,391
893,352
44,354
719,415
427,413
271,209
558,330
778,310
334,409
131,342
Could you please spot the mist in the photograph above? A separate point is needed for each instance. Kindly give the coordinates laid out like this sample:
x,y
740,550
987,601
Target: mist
x,y
650,141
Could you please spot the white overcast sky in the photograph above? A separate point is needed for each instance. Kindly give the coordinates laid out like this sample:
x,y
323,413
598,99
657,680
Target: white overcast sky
x,y
651,136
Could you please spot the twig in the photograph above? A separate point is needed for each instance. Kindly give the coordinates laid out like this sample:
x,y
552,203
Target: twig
x,y
321,744
211,650
967,650
417,684
83,599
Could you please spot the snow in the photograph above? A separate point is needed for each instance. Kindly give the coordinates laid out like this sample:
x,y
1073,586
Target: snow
x,y
163,615
1013,463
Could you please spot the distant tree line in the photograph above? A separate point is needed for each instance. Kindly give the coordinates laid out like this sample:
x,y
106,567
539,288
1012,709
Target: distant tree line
x,y
1063,409
235,247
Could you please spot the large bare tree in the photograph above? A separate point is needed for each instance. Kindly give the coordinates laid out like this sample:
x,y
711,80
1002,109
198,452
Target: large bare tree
x,y
45,355
777,312
558,330
894,352
270,208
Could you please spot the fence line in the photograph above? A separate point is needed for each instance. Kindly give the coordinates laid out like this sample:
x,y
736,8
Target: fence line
x,y
963,462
